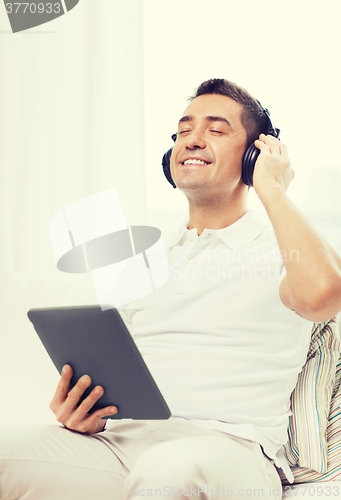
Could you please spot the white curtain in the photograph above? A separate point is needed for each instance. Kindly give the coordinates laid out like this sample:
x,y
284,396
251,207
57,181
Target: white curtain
x,y
72,122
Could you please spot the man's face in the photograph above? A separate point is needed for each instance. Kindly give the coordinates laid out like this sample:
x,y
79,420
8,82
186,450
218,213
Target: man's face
x,y
209,130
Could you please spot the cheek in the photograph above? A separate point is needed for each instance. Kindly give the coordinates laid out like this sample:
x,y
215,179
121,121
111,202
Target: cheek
x,y
236,154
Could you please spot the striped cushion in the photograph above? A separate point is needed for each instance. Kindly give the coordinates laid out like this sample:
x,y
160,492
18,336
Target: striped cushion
x,y
333,472
311,425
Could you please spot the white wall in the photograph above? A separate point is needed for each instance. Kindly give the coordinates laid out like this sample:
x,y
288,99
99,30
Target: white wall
x,y
285,53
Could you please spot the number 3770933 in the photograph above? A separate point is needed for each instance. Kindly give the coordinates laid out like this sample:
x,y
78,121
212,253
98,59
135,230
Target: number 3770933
x,y
311,490
32,8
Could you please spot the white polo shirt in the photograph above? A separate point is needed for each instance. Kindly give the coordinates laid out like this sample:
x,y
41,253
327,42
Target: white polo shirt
x,y
223,349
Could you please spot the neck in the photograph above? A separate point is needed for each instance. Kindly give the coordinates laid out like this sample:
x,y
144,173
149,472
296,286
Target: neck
x,y
215,214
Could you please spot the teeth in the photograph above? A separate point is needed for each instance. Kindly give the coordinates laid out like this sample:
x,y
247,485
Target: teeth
x,y
197,162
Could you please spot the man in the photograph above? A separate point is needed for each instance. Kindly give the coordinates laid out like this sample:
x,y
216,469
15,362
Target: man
x,y
224,338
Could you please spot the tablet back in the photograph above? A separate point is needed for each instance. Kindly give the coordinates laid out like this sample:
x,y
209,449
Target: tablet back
x,y
97,343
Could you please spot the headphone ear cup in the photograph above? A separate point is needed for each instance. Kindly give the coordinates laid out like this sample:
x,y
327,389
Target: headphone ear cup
x,y
249,161
166,167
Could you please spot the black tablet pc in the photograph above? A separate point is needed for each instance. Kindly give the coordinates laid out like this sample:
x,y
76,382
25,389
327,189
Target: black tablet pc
x,y
98,343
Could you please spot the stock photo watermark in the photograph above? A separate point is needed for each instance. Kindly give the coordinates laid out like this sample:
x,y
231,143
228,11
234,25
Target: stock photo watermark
x,y
25,15
231,266
195,491
227,255
91,235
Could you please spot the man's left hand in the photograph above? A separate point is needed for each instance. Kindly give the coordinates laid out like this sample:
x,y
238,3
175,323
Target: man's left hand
x,y
273,166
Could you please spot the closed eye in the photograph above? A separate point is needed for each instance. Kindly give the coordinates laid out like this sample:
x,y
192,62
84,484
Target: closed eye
x,y
212,130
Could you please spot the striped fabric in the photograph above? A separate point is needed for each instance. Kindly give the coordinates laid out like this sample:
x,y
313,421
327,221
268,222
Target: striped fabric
x,y
333,472
314,445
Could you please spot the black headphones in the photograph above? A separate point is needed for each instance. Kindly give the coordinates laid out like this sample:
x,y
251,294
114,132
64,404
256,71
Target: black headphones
x,y
249,158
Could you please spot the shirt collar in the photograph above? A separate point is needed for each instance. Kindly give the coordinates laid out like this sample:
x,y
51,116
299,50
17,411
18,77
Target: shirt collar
x,y
236,236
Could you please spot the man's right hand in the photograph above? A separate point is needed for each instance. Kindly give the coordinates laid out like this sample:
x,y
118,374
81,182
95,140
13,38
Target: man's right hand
x,y
76,417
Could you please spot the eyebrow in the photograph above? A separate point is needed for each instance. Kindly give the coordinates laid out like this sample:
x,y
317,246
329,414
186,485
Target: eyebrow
x,y
208,118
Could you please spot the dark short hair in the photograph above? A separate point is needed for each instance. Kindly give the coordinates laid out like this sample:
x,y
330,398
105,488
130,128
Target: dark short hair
x,y
253,117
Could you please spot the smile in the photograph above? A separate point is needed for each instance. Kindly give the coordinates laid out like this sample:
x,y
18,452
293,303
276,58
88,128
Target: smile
x,y
193,161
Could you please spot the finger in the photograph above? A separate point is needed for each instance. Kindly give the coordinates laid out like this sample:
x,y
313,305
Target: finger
x,y
91,423
62,388
281,147
284,150
261,145
65,411
88,402
76,393
80,420
272,142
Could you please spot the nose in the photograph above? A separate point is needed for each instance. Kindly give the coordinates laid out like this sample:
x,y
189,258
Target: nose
x,y
195,140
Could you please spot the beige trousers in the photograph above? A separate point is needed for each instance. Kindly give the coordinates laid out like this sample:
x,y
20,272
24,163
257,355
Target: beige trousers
x,y
172,458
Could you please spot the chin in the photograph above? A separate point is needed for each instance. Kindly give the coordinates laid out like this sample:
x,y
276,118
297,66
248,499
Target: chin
x,y
191,186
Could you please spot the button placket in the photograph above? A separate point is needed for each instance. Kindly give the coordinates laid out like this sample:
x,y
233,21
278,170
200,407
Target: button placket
x,y
192,263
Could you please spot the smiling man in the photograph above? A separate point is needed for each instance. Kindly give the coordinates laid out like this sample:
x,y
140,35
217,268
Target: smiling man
x,y
214,132
225,338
